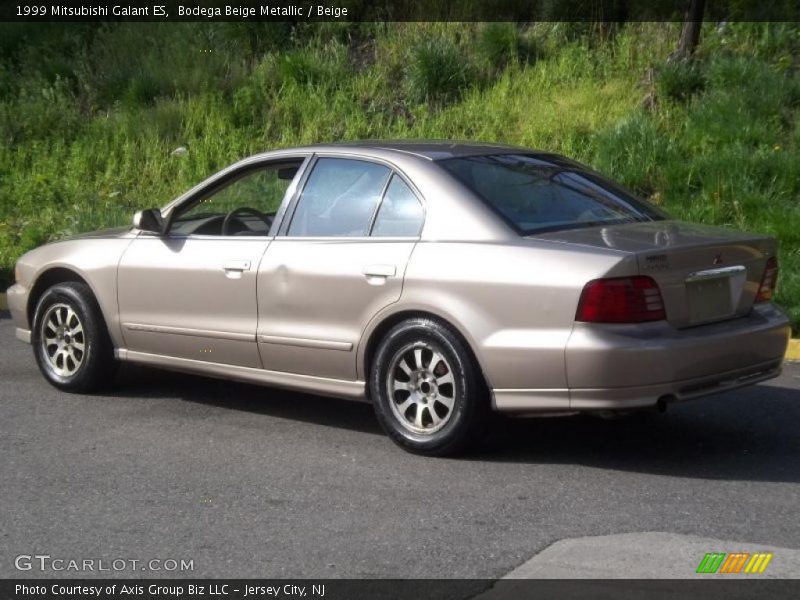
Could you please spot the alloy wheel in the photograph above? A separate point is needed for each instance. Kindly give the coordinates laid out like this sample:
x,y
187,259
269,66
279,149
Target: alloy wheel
x,y
63,340
421,388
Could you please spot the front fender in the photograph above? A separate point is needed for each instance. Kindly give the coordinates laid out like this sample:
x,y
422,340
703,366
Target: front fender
x,y
92,260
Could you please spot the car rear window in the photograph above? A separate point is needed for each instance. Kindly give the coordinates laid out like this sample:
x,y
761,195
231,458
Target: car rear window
x,y
535,194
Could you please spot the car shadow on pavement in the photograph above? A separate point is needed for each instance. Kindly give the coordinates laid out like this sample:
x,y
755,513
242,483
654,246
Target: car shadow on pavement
x,y
140,382
751,434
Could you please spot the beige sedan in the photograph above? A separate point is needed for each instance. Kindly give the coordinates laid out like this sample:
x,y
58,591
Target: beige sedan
x,y
439,281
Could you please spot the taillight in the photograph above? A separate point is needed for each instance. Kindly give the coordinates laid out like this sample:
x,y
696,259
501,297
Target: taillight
x,y
621,300
768,281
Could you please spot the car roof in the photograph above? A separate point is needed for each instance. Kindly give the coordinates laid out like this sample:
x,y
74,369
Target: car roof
x,y
429,149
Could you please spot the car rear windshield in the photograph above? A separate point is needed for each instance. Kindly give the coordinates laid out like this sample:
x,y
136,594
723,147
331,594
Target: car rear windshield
x,y
535,194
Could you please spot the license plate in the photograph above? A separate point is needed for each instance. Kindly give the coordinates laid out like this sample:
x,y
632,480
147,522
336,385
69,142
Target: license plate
x,y
709,299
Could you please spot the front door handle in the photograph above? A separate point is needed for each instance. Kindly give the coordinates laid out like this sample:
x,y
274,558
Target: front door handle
x,y
234,268
380,270
236,265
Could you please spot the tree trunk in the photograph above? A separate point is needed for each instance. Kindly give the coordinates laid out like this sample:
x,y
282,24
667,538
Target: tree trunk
x,y
690,34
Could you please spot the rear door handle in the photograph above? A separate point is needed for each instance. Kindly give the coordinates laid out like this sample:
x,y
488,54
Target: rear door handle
x,y
380,270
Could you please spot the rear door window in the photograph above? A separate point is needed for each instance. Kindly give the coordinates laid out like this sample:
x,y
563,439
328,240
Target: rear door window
x,y
339,198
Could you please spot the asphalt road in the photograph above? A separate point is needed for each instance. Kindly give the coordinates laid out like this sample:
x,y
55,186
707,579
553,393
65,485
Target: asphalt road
x,y
255,482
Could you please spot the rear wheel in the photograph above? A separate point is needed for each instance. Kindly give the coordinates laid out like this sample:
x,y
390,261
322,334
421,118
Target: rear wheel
x,y
427,390
70,340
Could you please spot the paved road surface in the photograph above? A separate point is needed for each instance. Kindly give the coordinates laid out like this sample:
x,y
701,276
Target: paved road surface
x,y
254,482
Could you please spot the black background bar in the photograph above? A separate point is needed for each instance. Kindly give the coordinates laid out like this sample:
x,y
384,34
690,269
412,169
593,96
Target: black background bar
x,y
707,587
393,10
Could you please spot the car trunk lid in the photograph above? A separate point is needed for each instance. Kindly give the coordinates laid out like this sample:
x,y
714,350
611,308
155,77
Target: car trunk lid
x,y
705,273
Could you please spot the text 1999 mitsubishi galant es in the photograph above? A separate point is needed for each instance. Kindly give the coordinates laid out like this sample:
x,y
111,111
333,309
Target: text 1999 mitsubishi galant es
x,y
438,280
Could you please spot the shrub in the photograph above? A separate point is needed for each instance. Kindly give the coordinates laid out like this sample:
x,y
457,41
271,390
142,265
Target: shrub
x,y
438,72
42,111
633,151
313,66
680,80
501,43
257,38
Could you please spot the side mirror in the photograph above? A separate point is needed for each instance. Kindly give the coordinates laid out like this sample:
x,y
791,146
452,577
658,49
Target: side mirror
x,y
149,219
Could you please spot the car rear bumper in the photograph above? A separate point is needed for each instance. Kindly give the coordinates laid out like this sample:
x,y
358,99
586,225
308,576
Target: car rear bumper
x,y
617,367
586,399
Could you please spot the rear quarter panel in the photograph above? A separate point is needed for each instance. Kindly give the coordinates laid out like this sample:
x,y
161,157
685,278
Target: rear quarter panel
x,y
514,302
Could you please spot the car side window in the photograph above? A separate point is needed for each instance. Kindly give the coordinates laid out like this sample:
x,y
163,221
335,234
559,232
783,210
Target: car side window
x,y
339,198
244,206
400,214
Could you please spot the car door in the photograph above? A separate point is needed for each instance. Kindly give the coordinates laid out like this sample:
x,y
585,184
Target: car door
x,y
191,292
339,258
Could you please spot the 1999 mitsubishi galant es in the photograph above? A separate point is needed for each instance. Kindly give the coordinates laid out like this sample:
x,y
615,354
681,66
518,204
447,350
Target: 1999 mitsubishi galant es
x,y
438,280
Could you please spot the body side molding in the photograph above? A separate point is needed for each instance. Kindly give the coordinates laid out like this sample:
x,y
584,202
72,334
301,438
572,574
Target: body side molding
x,y
307,383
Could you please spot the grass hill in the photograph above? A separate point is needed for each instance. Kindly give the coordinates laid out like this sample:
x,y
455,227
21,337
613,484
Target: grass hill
x,y
90,114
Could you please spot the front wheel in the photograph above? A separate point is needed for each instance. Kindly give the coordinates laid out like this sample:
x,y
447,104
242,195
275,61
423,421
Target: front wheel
x,y
70,340
426,389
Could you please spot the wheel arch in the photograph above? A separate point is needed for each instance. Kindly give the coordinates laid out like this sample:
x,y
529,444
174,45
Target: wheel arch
x,y
47,279
381,325
95,368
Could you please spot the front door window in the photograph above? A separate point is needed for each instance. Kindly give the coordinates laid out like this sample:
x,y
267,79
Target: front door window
x,y
245,206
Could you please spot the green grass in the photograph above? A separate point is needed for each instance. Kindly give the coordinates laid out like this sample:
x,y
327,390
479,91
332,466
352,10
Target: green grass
x,y
89,115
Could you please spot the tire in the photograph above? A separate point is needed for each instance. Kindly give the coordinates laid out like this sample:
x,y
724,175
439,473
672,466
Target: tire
x,y
436,408
70,340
